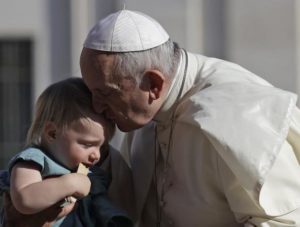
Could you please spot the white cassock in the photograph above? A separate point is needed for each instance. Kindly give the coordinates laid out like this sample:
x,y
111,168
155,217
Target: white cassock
x,y
223,151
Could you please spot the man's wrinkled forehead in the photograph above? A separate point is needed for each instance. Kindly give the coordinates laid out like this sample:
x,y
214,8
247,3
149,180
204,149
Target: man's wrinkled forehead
x,y
97,61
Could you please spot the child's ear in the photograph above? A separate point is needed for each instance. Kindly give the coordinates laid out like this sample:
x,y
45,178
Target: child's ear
x,y
50,131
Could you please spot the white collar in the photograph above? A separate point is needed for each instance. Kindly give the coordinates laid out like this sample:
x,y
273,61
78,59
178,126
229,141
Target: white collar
x,y
175,92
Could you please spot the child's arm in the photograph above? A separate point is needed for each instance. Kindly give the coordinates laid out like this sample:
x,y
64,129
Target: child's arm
x,y
31,194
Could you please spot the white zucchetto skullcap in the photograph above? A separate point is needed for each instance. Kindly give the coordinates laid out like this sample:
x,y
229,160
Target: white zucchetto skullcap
x,y
126,31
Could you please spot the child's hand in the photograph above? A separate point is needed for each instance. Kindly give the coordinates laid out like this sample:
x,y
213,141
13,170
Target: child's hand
x,y
80,183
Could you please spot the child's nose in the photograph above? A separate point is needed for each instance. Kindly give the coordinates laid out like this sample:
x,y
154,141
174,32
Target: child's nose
x,y
94,157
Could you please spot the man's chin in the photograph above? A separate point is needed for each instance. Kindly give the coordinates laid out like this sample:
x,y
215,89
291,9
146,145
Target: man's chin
x,y
125,128
129,128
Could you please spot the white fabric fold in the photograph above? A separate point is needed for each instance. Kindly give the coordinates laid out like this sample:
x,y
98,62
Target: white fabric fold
x,y
246,123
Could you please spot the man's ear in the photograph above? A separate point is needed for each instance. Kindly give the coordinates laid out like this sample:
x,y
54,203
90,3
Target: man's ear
x,y
50,131
153,81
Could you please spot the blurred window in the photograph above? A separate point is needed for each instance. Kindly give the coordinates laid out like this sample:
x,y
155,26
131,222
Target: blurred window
x,y
15,95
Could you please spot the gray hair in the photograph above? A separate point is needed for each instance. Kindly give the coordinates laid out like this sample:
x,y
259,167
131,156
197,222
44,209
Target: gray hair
x,y
164,58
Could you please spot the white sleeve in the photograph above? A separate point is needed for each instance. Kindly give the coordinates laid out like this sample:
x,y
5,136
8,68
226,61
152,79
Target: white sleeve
x,y
267,222
277,202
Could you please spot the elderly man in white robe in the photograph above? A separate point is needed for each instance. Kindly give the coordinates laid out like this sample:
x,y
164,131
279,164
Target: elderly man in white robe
x,y
208,144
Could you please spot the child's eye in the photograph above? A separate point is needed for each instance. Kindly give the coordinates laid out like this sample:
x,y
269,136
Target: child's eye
x,y
87,145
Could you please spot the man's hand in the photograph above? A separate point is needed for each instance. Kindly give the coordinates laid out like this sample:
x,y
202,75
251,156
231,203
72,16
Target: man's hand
x,y
13,218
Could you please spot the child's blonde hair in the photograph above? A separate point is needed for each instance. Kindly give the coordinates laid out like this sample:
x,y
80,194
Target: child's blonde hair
x,y
62,103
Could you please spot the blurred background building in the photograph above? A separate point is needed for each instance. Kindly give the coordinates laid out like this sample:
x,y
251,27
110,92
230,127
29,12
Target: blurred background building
x,y
41,40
